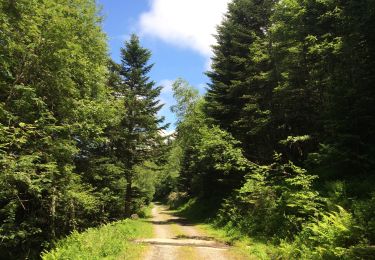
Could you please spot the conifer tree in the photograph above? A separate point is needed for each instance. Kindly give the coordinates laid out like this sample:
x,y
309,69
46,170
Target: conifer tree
x,y
237,94
139,132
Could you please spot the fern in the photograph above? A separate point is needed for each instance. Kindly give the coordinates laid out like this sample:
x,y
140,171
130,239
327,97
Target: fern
x,y
329,236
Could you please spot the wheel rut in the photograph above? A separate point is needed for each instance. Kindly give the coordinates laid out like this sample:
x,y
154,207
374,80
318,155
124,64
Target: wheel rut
x,y
175,238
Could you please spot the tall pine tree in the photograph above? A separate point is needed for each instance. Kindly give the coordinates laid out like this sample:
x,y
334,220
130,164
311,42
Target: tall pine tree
x,y
139,132
240,85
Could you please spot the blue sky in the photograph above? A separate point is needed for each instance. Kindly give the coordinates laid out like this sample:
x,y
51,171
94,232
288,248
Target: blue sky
x,y
178,33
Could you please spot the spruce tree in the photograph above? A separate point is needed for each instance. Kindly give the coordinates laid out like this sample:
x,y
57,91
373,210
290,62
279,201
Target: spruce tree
x,y
241,80
139,132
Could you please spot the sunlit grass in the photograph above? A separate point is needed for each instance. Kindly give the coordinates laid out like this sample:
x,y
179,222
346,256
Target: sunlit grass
x,y
242,247
111,241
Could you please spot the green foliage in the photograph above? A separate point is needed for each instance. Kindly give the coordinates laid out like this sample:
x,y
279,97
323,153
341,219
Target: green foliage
x,y
186,96
52,85
198,210
326,237
137,136
363,213
293,77
275,200
145,177
111,241
218,163
57,125
176,199
80,135
240,88
205,160
167,177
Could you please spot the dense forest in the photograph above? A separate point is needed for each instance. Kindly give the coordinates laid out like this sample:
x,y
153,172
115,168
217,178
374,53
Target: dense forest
x,y
281,147
73,124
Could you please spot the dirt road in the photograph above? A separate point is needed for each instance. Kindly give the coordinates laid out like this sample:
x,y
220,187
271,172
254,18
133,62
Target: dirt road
x,y
175,238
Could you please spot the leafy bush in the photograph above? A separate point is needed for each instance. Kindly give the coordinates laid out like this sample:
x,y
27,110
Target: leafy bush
x,y
176,199
252,208
275,200
218,165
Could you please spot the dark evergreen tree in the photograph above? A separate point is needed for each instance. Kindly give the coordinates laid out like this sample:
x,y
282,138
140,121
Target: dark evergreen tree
x,y
139,132
323,59
237,97
351,120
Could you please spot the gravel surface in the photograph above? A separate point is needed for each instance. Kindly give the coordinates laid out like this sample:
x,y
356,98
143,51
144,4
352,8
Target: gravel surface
x,y
172,235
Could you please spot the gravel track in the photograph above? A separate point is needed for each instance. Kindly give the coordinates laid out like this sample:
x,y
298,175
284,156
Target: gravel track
x,y
174,237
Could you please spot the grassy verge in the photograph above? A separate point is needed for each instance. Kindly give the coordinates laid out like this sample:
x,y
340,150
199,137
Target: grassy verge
x,y
146,211
111,241
243,247
248,248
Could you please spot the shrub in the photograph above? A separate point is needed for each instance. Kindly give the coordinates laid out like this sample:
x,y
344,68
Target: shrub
x,y
176,199
275,200
252,208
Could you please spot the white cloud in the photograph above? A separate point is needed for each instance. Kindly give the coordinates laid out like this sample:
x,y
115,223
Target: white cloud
x,y
185,23
167,86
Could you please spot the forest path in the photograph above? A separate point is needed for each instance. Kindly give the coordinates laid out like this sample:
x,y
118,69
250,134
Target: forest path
x,y
176,238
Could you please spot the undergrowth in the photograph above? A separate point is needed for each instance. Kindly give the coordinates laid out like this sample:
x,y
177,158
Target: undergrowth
x,y
111,241
204,215
329,235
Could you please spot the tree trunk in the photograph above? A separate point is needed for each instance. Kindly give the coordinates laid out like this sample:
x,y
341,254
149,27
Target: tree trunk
x,y
128,195
72,215
53,212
